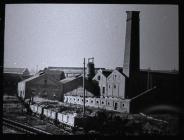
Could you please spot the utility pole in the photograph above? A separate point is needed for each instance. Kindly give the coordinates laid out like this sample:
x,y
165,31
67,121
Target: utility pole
x,y
148,79
84,88
36,69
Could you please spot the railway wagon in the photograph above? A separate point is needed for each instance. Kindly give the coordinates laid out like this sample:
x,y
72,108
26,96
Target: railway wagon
x,y
34,108
40,111
59,116
51,113
67,119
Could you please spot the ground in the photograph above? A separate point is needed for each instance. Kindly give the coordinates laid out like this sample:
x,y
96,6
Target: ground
x,y
104,122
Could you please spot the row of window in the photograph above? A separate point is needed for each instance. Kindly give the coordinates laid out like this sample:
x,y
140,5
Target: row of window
x,y
102,102
103,88
114,77
110,86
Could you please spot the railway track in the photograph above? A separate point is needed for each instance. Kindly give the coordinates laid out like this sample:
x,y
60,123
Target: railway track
x,y
65,131
23,128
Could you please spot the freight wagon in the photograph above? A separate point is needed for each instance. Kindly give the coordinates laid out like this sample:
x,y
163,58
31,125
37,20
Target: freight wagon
x,y
64,119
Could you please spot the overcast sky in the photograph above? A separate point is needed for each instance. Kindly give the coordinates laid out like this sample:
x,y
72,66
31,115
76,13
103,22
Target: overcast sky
x,y
63,34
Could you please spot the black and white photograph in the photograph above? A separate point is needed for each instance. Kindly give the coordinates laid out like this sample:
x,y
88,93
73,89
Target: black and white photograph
x,y
91,69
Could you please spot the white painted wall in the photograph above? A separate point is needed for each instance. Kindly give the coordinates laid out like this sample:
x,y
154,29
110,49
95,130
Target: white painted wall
x,y
116,85
114,104
102,82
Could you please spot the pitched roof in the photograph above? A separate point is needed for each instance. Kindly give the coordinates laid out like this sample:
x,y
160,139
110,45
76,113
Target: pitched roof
x,y
106,73
76,70
69,68
72,83
31,78
120,71
39,75
66,80
14,70
56,74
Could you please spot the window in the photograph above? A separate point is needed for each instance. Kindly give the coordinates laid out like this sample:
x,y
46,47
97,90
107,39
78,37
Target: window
x,y
108,103
123,105
91,101
114,77
82,100
109,86
86,100
102,102
103,90
98,77
115,106
114,86
97,102
77,99
45,81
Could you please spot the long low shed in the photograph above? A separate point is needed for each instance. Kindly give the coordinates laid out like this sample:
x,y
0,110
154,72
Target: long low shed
x,y
114,104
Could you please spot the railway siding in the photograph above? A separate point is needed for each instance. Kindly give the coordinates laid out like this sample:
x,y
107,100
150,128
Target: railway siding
x,y
22,127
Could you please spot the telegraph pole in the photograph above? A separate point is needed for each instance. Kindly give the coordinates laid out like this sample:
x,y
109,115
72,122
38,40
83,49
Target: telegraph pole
x,y
148,79
84,89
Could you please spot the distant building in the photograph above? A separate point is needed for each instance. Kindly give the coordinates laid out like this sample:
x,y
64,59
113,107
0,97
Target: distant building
x,y
11,77
18,71
45,84
71,71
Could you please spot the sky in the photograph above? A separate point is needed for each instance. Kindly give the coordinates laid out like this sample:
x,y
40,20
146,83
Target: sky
x,y
42,35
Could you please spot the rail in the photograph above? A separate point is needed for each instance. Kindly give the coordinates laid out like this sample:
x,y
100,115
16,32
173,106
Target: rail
x,y
23,128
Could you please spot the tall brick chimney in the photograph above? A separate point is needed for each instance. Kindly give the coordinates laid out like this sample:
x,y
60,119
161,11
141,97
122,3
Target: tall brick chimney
x,y
131,54
131,64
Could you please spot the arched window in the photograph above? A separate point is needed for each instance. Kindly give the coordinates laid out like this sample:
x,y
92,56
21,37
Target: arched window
x,y
45,81
103,90
114,86
98,77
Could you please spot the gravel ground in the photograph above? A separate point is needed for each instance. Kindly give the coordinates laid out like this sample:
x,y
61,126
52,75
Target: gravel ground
x,y
14,111
7,130
121,124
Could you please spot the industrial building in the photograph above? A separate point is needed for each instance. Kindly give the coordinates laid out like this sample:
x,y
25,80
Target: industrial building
x,y
71,71
126,89
19,71
130,89
101,78
11,77
74,87
45,84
